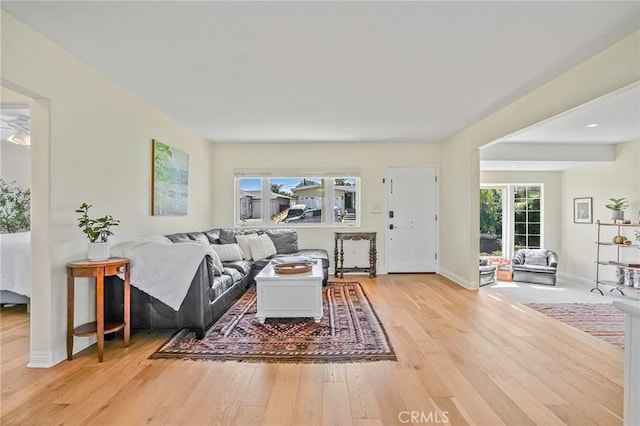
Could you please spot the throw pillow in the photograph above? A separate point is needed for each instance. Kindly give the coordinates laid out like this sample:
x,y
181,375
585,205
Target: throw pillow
x,y
243,242
228,236
228,252
261,247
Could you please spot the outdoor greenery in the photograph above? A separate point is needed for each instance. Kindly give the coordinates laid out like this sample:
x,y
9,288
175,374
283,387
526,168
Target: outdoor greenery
x,y
15,208
307,182
490,211
276,188
342,182
97,230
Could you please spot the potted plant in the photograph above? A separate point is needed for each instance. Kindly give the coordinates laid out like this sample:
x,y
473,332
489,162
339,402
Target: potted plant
x,y
617,207
97,231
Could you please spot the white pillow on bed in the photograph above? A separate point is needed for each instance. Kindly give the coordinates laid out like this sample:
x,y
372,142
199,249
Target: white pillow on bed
x,y
261,247
228,252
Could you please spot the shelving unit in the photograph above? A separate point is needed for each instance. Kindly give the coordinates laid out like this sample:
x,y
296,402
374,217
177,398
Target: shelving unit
x,y
604,260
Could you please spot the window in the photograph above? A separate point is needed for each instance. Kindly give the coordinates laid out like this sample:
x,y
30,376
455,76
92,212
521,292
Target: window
x,y
297,201
510,219
527,218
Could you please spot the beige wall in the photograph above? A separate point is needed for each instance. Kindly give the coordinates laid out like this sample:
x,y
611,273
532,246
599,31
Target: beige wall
x,y
601,182
550,199
371,159
613,68
97,149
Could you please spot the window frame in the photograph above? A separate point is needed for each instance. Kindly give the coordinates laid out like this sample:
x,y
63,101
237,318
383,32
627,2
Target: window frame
x,y
327,182
508,214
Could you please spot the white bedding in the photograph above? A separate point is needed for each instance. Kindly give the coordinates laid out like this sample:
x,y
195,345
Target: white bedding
x,y
15,263
162,269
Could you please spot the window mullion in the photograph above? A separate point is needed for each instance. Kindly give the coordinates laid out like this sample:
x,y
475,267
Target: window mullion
x,y
265,203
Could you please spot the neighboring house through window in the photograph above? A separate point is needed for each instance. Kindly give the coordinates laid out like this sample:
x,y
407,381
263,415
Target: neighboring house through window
x,y
294,201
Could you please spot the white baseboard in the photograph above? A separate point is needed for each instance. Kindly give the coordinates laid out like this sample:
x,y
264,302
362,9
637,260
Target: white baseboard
x,y
576,279
40,359
46,359
458,280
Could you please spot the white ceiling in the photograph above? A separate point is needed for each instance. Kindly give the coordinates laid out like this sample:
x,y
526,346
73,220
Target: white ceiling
x,y
330,71
570,139
617,117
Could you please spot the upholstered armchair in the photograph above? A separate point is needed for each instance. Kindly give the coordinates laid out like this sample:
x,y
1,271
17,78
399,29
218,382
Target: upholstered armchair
x,y
536,266
487,272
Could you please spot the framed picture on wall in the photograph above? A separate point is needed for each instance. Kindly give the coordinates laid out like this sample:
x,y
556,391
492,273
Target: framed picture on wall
x,y
169,180
582,210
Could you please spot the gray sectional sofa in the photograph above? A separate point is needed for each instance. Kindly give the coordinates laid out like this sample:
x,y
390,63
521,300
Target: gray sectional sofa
x,y
211,293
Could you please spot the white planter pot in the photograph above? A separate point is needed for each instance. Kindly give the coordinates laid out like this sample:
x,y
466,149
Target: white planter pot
x,y
617,215
98,251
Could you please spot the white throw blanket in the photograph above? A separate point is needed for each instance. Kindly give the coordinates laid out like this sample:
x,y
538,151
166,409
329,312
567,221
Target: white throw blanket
x,y
162,269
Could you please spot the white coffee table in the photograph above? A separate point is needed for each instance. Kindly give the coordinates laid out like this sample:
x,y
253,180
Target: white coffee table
x,y
289,295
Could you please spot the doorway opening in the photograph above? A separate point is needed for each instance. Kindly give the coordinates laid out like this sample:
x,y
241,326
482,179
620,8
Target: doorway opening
x,y
15,204
492,207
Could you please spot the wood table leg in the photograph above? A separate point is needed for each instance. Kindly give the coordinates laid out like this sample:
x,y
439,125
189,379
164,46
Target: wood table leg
x,y
341,259
336,267
127,307
100,313
70,285
373,258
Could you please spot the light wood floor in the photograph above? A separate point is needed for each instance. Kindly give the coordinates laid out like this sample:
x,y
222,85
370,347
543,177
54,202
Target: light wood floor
x,y
472,356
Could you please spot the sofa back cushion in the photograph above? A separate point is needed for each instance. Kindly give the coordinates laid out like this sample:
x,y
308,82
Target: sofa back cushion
x,y
285,240
188,236
228,236
213,235
535,257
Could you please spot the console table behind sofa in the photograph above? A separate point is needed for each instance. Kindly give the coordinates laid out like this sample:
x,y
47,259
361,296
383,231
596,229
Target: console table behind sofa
x,y
338,255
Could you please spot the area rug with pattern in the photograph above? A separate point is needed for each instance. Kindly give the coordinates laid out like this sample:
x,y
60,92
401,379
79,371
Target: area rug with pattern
x,y
348,332
602,320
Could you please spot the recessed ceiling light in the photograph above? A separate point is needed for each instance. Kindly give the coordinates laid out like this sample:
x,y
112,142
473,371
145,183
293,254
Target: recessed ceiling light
x,y
592,125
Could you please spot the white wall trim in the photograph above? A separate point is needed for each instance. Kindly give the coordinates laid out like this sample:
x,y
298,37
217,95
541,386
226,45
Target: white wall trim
x,y
458,280
40,359
576,279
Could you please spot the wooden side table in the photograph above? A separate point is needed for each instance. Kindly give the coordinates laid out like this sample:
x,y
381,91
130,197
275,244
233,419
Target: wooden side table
x,y
339,255
98,328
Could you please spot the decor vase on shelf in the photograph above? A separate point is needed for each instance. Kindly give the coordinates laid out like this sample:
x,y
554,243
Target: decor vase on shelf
x,y
97,231
617,207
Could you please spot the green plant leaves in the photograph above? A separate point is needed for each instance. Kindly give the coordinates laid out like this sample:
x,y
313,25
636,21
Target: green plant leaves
x,y
617,204
95,229
15,207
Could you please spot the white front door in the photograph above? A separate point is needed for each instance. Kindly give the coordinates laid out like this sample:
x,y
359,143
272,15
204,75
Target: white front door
x,y
412,230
